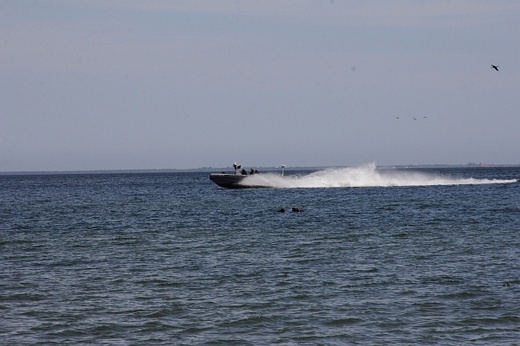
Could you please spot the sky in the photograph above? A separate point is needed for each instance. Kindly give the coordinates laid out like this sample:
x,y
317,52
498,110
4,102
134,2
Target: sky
x,y
156,84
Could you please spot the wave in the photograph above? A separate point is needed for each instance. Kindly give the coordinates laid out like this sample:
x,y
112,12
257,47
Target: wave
x,y
363,176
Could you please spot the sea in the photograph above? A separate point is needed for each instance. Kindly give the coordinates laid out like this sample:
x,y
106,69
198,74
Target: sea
x,y
359,256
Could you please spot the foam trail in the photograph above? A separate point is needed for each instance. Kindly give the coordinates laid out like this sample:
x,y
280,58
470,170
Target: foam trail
x,y
362,176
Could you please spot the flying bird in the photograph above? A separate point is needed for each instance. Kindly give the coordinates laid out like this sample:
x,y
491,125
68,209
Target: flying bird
x,y
494,66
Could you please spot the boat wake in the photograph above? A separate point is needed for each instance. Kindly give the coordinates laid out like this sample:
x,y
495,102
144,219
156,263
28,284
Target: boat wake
x,y
362,176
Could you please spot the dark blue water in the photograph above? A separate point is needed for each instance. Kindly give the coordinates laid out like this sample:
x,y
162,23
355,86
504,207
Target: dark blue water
x,y
172,258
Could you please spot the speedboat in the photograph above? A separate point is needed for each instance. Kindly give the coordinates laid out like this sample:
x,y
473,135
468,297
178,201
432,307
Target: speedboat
x,y
231,180
236,180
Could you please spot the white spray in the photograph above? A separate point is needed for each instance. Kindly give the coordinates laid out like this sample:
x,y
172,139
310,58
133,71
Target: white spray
x,y
362,176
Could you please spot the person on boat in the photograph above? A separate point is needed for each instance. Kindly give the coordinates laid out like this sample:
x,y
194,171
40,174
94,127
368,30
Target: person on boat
x,y
252,171
244,171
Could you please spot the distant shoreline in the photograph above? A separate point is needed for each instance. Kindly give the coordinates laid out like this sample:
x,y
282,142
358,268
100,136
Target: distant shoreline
x,y
264,169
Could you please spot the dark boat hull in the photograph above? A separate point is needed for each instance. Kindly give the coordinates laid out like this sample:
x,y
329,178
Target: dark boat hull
x,y
231,181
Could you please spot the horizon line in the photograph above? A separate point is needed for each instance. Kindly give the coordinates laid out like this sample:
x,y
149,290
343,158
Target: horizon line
x,y
209,169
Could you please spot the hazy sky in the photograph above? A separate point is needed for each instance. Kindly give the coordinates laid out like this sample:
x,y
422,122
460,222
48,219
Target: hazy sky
x,y
143,84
